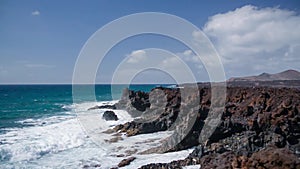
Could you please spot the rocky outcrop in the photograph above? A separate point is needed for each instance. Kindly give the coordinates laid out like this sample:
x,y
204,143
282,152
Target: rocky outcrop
x,y
134,102
270,157
254,122
157,117
110,115
170,110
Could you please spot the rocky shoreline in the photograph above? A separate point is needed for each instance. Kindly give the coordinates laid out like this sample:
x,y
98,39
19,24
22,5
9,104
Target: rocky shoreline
x,y
259,126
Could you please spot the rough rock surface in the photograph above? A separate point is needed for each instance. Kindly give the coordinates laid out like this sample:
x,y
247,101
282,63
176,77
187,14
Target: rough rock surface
x,y
133,102
154,118
126,161
272,158
254,122
110,115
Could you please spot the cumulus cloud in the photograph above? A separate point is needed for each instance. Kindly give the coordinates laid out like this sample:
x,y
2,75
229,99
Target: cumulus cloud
x,y
188,55
178,69
196,64
35,13
171,62
157,65
256,39
193,61
137,56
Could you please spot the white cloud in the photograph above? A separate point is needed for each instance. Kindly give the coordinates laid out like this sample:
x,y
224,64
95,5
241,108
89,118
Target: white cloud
x,y
195,64
181,71
251,39
194,61
137,56
188,55
35,13
187,52
155,64
171,63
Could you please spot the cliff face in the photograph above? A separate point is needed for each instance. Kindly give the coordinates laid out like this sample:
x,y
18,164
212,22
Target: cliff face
x,y
254,122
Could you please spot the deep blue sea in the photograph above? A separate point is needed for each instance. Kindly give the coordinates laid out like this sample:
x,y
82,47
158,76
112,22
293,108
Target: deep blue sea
x,y
39,127
20,102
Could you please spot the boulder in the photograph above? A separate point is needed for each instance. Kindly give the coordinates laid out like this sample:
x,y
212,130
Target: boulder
x,y
109,116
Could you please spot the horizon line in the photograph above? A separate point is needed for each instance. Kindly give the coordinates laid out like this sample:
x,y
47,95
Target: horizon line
x,y
89,83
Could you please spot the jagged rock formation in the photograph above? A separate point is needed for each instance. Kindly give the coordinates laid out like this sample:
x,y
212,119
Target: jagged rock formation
x,y
134,102
254,122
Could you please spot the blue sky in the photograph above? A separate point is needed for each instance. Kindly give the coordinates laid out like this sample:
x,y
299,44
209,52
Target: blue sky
x,y
40,40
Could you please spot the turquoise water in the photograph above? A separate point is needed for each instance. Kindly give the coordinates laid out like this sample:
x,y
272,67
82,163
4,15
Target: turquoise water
x,y
19,102
39,126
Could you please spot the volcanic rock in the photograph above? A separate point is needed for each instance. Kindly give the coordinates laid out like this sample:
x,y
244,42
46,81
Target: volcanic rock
x,y
134,102
273,157
252,120
126,162
103,107
109,116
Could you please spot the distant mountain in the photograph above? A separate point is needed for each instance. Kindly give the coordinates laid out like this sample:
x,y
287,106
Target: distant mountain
x,y
282,76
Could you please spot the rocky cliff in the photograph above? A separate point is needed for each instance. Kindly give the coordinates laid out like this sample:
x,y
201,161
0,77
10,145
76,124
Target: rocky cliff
x,y
259,126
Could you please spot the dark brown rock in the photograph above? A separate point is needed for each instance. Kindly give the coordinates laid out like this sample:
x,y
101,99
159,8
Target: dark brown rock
x,y
273,157
135,102
126,162
103,107
253,119
218,161
110,115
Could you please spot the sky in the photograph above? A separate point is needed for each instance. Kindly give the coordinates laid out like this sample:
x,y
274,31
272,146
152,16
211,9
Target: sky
x,y
40,41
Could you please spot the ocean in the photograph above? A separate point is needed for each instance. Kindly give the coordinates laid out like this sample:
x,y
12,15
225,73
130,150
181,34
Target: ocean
x,y
23,102
39,128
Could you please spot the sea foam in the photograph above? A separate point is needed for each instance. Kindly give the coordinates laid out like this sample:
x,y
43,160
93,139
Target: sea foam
x,y
62,142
